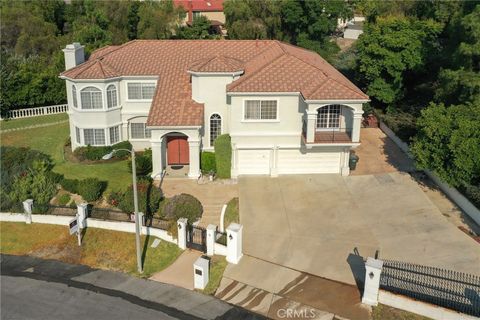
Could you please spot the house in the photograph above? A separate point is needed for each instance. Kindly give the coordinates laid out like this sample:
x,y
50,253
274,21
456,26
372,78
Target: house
x,y
286,109
353,28
212,9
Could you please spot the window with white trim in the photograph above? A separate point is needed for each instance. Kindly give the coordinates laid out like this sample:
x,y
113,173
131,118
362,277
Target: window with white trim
x,y
215,127
74,95
77,135
140,90
91,98
139,131
328,116
260,110
94,137
112,96
114,135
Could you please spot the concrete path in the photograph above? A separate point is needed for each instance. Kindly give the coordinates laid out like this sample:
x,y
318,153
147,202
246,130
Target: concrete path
x,y
180,272
34,126
320,224
46,289
212,195
270,289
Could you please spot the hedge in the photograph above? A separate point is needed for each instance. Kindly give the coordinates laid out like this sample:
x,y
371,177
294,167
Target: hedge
x,y
149,198
223,156
96,153
143,162
207,162
182,206
91,189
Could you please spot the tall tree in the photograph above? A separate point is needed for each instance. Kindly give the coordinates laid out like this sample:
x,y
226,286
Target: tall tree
x,y
159,19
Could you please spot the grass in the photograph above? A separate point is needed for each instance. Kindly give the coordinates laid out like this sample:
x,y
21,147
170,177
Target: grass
x,y
383,312
231,213
27,122
217,267
104,249
51,139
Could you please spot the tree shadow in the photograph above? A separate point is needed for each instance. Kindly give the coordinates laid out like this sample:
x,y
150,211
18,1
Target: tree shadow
x,y
145,248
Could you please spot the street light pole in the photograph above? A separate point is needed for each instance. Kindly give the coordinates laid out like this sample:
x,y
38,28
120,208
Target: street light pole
x,y
135,204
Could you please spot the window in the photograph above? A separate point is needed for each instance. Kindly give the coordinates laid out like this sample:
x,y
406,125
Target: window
x,y
74,95
114,135
260,110
328,117
77,135
91,98
140,131
215,127
111,96
94,137
140,91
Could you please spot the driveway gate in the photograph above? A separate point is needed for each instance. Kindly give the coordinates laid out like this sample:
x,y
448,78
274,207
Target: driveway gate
x,y
197,238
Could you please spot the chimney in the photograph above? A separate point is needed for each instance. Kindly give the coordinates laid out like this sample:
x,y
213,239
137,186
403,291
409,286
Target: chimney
x,y
74,55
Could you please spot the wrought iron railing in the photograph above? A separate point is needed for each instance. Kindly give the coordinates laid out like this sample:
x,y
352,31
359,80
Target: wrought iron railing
x,y
60,210
449,289
158,223
221,238
109,214
328,135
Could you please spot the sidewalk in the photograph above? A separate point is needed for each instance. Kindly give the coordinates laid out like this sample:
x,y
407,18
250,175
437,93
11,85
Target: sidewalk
x,y
176,302
180,272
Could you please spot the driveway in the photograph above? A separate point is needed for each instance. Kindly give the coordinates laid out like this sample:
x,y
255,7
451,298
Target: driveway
x,y
324,224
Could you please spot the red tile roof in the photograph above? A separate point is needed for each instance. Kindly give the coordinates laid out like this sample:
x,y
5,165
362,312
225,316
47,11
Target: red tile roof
x,y
269,66
200,5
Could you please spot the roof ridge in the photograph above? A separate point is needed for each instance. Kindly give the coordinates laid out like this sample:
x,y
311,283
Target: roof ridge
x,y
88,66
99,61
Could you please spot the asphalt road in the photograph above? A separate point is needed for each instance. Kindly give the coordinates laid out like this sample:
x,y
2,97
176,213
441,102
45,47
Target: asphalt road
x,y
45,289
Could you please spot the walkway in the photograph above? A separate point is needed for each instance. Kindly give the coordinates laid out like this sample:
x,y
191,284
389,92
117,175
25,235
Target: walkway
x,y
33,288
212,195
180,272
35,126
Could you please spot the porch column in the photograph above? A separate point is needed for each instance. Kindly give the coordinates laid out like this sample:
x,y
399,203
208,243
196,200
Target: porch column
x,y
345,169
194,150
234,172
157,163
357,124
311,121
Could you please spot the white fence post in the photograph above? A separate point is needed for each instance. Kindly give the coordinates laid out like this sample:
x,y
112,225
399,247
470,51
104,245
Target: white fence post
x,y
373,269
211,234
234,243
27,208
82,215
182,233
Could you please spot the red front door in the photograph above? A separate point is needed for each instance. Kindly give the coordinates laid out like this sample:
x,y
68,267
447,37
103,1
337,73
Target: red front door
x,y
177,150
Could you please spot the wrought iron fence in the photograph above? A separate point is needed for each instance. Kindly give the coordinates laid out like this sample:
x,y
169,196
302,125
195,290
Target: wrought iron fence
x,y
109,214
449,289
221,238
61,210
158,223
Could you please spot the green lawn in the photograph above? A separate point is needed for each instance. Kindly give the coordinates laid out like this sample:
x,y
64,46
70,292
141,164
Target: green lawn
x,y
104,249
217,267
27,122
51,139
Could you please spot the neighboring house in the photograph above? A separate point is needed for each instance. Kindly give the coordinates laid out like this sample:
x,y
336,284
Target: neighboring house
x,y
286,109
353,28
212,9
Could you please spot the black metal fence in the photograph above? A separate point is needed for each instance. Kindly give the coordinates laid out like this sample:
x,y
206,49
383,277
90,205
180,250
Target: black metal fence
x,y
109,214
449,289
61,210
221,238
158,223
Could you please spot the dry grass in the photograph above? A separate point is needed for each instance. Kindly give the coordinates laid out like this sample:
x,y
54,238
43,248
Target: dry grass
x,y
102,249
383,312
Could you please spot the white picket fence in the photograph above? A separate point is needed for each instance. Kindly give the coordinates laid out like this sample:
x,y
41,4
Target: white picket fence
x,y
39,111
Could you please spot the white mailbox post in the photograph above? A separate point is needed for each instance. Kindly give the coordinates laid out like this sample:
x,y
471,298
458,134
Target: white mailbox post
x,y
27,208
182,233
201,273
82,215
211,233
373,269
234,243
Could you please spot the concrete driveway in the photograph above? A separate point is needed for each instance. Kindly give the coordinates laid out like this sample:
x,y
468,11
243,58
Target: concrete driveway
x,y
324,224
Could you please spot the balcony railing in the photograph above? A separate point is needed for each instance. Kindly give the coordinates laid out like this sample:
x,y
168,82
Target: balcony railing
x,y
329,135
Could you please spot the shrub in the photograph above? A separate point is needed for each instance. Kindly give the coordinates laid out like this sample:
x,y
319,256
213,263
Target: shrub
x,y
143,163
183,206
122,145
91,189
70,185
149,198
96,153
402,123
472,193
64,199
207,162
223,156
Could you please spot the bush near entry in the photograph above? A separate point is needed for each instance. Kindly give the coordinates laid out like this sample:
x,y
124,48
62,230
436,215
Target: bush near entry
x,y
207,162
143,163
96,153
149,198
91,189
182,206
223,155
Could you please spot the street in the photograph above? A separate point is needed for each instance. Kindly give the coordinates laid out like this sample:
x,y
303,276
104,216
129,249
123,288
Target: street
x,y
32,288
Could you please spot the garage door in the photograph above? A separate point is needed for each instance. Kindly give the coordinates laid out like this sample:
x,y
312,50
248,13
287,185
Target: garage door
x,y
294,161
253,161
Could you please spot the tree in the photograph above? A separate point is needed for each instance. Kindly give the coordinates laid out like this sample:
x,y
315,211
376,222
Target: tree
x,y
390,49
448,142
200,29
158,19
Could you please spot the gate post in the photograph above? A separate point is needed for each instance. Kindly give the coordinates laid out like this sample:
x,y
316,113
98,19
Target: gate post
x,y
82,214
234,243
211,234
373,269
182,233
27,208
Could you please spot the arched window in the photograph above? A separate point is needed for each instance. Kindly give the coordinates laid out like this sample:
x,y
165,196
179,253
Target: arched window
x,y
91,98
74,95
328,117
111,96
215,127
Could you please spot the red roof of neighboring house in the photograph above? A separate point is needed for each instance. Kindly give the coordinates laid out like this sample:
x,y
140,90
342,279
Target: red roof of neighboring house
x,y
200,5
268,65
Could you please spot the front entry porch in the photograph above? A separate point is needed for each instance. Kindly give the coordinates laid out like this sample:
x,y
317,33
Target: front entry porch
x,y
176,153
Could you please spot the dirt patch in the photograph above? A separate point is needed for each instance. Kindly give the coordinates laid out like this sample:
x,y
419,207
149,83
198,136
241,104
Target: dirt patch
x,y
64,249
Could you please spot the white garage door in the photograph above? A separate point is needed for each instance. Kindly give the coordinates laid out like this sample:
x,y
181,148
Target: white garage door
x,y
253,161
295,162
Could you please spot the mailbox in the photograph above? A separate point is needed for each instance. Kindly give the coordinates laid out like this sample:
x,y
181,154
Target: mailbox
x,y
201,270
